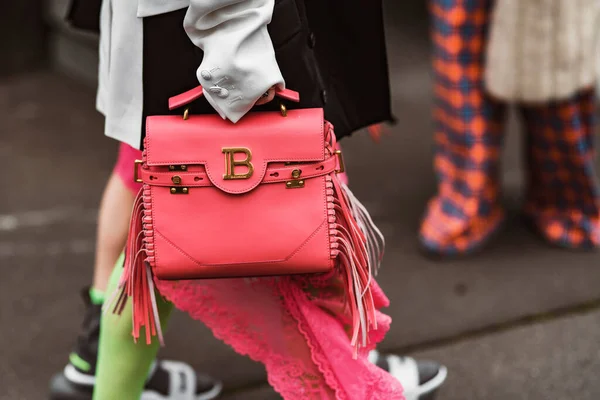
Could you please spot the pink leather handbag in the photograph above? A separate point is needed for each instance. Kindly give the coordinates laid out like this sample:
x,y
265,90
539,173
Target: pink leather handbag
x,y
257,198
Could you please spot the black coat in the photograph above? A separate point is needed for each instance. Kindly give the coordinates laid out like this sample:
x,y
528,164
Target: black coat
x,y
331,51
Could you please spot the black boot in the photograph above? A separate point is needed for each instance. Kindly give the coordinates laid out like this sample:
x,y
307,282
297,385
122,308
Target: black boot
x,y
168,380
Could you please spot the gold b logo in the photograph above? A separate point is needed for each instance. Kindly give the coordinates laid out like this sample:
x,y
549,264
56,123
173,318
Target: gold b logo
x,y
231,163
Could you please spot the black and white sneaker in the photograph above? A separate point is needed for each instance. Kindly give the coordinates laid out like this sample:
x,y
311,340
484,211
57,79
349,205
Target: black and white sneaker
x,y
167,380
420,379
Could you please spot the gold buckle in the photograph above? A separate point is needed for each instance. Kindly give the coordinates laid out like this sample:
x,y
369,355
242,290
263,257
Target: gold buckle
x,y
136,176
296,182
179,190
340,157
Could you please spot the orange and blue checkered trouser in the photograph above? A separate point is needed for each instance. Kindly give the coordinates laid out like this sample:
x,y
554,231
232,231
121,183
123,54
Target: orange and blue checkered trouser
x,y
562,199
468,142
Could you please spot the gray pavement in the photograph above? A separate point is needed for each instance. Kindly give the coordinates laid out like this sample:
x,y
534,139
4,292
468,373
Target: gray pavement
x,y
547,361
473,314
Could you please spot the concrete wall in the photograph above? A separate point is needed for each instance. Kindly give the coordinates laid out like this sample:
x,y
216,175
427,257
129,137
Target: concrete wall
x,y
23,43
72,52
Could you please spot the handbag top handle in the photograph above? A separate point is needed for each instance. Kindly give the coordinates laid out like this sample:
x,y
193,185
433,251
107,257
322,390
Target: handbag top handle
x,y
186,98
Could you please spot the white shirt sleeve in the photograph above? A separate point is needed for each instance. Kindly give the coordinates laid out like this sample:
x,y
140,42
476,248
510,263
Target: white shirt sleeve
x,y
239,61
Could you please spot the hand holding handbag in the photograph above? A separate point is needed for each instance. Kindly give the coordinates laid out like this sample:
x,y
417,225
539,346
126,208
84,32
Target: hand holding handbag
x,y
257,198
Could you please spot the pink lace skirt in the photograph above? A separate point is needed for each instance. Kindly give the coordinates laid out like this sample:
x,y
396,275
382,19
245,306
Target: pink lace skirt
x,y
297,327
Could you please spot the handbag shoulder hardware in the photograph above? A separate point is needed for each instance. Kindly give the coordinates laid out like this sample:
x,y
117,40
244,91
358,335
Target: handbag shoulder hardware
x,y
257,198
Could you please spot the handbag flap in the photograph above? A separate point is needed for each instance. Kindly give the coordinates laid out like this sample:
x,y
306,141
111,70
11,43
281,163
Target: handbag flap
x,y
236,156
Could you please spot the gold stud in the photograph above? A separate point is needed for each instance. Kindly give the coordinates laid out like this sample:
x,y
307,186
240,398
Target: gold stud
x,y
296,173
176,179
185,190
171,168
173,190
184,167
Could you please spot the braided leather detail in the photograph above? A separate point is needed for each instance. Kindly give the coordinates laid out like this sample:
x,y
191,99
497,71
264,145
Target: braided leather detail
x,y
332,220
148,226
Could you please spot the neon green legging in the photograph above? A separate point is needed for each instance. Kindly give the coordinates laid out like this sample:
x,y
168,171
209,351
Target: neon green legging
x,y
123,366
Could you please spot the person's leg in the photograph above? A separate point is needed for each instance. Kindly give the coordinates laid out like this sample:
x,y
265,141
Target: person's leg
x,y
78,378
111,234
113,218
123,365
468,132
113,224
563,203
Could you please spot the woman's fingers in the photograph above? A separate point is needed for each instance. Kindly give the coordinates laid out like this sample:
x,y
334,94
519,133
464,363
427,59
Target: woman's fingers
x,y
267,97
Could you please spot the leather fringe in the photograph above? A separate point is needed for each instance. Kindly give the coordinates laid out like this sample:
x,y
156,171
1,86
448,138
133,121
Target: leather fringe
x,y
137,281
357,244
